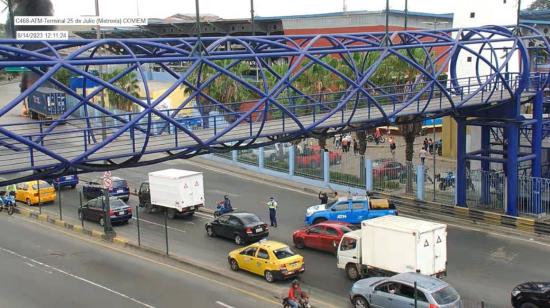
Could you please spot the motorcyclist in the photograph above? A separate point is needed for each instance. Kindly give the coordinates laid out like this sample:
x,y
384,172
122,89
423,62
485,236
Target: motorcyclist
x,y
296,297
224,206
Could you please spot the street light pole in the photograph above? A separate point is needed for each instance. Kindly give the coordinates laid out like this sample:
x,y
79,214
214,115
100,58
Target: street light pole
x,y
252,17
386,37
198,25
11,21
406,13
101,95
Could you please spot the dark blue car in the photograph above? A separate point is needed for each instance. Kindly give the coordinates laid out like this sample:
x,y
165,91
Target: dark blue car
x,y
64,181
119,189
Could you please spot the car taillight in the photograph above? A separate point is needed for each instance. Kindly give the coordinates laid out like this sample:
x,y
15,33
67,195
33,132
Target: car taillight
x,y
111,213
249,230
434,306
129,210
266,227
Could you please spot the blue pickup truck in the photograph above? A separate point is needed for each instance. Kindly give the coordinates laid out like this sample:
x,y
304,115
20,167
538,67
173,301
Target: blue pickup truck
x,y
350,210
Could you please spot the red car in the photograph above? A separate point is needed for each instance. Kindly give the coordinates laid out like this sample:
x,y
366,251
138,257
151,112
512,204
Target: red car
x,y
311,157
387,168
322,236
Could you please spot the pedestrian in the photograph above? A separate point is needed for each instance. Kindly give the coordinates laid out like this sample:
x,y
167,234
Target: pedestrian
x,y
272,206
345,145
377,135
423,153
338,142
431,146
425,144
323,197
393,146
355,147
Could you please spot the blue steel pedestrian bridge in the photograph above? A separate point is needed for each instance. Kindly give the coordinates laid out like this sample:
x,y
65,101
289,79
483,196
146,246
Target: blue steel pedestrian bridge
x,y
291,87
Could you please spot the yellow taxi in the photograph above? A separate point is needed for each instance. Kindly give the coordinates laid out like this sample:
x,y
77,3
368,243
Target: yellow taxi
x,y
28,192
273,260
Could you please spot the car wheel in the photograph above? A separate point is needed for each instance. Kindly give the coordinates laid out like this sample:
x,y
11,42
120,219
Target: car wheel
x,y
528,305
80,215
239,240
171,213
360,302
102,221
268,275
210,232
352,272
233,264
319,220
73,186
28,201
299,243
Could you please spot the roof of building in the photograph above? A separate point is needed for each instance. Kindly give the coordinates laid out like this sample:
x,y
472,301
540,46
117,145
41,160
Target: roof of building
x,y
335,14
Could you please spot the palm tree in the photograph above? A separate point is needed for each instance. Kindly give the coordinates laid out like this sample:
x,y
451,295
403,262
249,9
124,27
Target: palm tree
x,y
128,84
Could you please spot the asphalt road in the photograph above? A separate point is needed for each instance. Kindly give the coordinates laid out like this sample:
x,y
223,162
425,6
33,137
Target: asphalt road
x,y
45,268
481,265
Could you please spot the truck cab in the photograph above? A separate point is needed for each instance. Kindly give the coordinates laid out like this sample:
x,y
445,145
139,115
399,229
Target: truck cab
x,y
349,254
351,210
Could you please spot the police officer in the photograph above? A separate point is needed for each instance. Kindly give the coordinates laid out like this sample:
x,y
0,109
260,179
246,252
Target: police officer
x,y
272,206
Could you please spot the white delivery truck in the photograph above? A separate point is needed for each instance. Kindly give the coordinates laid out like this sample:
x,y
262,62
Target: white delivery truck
x,y
179,191
391,244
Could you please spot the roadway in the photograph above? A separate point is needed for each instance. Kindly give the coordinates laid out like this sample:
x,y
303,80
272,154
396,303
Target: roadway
x,y
45,268
481,265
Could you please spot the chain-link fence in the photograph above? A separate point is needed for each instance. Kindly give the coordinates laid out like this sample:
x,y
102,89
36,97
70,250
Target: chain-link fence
x,y
347,168
276,157
248,156
308,160
485,189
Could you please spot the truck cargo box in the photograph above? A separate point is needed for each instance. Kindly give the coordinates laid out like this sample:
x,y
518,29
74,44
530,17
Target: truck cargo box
x,y
47,103
400,244
178,189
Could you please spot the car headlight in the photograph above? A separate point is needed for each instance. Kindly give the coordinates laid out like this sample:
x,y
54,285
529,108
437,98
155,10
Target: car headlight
x,y
515,293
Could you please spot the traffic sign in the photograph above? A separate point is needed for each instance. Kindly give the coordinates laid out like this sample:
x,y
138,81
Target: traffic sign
x,y
107,181
16,69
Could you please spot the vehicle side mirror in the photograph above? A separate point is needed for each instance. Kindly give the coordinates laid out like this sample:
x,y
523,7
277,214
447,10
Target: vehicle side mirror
x,y
333,209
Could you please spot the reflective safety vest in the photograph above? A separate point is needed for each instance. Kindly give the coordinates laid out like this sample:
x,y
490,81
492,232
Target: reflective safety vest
x,y
272,204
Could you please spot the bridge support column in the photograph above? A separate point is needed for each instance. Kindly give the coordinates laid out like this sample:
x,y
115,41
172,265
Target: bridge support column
x,y
291,156
420,182
368,175
536,168
234,155
261,157
460,163
485,164
326,167
512,133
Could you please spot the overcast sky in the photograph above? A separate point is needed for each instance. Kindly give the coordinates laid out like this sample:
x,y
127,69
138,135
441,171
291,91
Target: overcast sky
x,y
241,8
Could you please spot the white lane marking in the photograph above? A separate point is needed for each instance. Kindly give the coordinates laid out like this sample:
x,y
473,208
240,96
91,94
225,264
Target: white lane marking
x,y
203,215
29,264
221,192
224,304
53,268
160,225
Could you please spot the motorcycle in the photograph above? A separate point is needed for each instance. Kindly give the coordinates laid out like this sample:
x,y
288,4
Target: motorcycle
x,y
304,303
447,181
7,202
220,210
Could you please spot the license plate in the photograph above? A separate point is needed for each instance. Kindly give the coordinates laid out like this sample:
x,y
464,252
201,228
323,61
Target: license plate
x,y
259,229
120,191
121,213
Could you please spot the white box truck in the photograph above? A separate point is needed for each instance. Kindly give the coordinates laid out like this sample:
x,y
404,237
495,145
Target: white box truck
x,y
179,191
390,245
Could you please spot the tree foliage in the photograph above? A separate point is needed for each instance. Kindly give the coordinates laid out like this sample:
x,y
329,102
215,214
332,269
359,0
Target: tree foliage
x,y
540,5
128,84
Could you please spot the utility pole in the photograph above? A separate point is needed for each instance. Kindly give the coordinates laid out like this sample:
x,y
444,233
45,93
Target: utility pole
x,y
11,21
386,37
406,14
252,17
518,15
101,95
198,26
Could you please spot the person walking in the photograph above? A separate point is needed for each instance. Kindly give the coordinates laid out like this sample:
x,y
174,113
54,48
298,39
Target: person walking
x,y
345,145
423,153
425,144
272,206
431,146
393,146
355,147
377,135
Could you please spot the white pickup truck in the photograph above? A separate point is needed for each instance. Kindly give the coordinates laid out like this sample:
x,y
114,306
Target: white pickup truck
x,y
390,245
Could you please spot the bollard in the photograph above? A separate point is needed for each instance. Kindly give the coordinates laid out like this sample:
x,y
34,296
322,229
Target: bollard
x,y
137,220
166,228
59,197
81,218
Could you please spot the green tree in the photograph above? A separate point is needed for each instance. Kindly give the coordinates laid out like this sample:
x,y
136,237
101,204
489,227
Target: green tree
x,y
128,84
540,5
64,76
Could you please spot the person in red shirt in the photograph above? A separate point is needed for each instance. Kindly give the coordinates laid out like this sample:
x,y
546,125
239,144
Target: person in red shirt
x,y
295,295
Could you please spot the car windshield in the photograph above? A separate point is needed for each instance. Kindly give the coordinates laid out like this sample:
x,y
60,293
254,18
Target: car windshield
x,y
43,184
119,184
445,296
350,228
250,219
283,253
116,203
330,204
